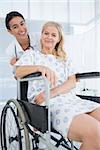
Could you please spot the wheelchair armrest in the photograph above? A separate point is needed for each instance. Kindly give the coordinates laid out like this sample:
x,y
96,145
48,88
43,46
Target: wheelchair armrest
x,y
88,75
35,74
22,86
91,98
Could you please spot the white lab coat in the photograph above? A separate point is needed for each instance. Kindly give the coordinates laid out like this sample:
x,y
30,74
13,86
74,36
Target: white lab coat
x,y
15,50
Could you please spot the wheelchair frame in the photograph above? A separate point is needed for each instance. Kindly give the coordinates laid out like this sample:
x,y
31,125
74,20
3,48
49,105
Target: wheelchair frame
x,y
21,111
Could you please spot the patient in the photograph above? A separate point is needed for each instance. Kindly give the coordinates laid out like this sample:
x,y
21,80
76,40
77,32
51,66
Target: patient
x,y
73,117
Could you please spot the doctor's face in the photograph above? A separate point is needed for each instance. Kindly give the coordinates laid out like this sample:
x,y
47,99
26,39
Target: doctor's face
x,y
18,28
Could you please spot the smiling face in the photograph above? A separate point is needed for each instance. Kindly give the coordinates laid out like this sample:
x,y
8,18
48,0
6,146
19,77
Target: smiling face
x,y
49,38
18,28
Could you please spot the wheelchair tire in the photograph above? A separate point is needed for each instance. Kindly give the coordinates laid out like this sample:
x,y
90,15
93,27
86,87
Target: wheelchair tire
x,y
14,134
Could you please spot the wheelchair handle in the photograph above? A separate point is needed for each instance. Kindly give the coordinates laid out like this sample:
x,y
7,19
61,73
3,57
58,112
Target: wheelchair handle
x,y
35,74
88,75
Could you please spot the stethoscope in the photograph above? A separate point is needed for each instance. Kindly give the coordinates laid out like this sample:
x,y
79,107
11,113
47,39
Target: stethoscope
x,y
29,46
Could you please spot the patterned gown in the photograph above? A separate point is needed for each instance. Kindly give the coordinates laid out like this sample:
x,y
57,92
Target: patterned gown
x,y
64,107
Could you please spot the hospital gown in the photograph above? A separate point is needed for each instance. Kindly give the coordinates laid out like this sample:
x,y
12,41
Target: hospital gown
x,y
64,107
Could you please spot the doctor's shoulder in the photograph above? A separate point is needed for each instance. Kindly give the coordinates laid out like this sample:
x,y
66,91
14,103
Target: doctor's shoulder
x,y
10,50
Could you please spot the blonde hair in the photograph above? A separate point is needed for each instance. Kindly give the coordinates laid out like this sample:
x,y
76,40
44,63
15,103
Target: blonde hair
x,y
59,48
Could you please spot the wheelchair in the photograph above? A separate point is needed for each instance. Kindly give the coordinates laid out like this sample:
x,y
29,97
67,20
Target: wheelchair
x,y
24,124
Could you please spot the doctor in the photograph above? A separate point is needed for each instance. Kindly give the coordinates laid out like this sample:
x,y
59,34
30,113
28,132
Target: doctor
x,y
15,24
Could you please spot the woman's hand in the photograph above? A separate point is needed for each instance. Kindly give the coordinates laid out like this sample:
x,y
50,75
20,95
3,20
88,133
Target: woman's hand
x,y
40,98
51,76
46,72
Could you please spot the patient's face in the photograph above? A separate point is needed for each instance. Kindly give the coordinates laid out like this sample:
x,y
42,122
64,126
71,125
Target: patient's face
x,y
18,28
49,38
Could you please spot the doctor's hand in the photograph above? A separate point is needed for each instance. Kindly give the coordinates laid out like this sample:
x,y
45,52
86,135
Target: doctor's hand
x,y
13,60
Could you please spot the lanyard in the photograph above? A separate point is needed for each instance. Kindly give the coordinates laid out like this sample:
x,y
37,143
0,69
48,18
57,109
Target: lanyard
x,y
15,51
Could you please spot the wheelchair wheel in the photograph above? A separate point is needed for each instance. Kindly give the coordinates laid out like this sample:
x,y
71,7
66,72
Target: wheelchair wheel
x,y
14,134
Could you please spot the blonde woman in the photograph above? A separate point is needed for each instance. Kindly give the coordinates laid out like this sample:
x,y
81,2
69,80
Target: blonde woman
x,y
73,117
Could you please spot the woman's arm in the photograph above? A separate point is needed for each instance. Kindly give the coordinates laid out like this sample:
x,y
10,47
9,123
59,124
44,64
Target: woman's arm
x,y
69,84
62,89
21,71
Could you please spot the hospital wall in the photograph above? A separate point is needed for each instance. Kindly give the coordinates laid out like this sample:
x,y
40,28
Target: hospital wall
x,y
84,48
